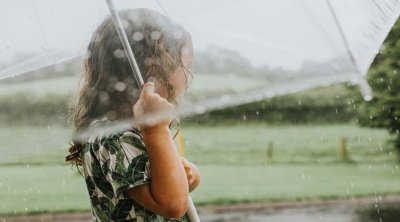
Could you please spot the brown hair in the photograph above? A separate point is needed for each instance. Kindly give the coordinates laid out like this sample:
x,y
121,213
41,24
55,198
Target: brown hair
x,y
108,88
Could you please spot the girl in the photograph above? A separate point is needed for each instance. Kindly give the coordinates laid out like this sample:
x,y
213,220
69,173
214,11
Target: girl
x,y
134,174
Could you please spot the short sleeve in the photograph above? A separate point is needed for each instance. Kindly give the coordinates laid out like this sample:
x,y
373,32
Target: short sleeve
x,y
124,161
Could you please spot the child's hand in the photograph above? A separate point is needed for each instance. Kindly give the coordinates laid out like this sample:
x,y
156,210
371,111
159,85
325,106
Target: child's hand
x,y
192,173
151,103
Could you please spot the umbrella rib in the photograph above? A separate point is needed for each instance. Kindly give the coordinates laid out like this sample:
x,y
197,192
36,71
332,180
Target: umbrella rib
x,y
162,8
40,26
344,39
364,86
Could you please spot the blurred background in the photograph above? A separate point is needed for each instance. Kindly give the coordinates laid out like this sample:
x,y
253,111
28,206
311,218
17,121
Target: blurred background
x,y
322,154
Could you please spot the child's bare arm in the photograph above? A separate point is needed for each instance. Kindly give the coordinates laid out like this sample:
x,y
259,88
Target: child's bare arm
x,y
167,194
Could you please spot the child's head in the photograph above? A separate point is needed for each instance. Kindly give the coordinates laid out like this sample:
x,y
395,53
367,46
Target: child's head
x,y
163,51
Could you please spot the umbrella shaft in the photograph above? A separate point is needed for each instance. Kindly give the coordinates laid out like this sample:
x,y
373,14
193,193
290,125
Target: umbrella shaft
x,y
125,43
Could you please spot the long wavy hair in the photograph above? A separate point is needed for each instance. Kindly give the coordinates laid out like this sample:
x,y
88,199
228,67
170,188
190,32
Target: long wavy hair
x,y
108,88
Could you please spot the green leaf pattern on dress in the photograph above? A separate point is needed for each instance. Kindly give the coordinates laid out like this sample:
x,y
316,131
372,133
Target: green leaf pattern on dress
x,y
111,165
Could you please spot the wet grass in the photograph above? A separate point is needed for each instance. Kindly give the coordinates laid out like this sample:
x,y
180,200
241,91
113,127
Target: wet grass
x,y
262,143
230,184
233,160
57,188
234,144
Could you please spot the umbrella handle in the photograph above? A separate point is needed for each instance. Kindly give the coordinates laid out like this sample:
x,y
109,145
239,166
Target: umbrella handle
x,y
191,212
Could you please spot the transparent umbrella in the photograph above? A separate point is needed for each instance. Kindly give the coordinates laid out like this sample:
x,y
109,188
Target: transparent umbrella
x,y
274,47
244,50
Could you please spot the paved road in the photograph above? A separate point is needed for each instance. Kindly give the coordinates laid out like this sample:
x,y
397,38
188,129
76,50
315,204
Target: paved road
x,y
362,210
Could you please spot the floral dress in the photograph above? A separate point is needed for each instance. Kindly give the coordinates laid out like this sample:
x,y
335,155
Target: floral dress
x,y
111,165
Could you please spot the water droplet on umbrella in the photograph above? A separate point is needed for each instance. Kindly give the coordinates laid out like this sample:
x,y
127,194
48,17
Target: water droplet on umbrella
x,y
119,53
155,35
104,97
200,110
120,86
124,23
137,36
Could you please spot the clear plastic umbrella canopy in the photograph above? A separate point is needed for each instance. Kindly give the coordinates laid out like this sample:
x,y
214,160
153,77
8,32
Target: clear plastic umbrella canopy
x,y
244,50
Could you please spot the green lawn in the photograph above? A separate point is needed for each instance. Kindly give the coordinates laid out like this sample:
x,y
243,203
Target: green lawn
x,y
240,144
233,161
248,144
36,189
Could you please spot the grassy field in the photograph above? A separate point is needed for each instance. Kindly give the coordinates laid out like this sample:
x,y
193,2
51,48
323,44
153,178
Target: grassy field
x,y
235,144
239,163
232,159
56,188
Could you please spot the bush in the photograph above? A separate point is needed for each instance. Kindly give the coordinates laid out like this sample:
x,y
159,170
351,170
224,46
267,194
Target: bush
x,y
324,105
23,108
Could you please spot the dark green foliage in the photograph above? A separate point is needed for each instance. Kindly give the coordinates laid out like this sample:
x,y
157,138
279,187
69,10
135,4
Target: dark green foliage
x,y
330,104
323,105
384,77
23,108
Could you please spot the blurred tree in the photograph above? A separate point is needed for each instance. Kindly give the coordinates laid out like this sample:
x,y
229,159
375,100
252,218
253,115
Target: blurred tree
x,y
384,77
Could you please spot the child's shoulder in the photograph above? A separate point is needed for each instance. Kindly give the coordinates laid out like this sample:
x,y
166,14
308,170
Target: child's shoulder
x,y
104,130
131,137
